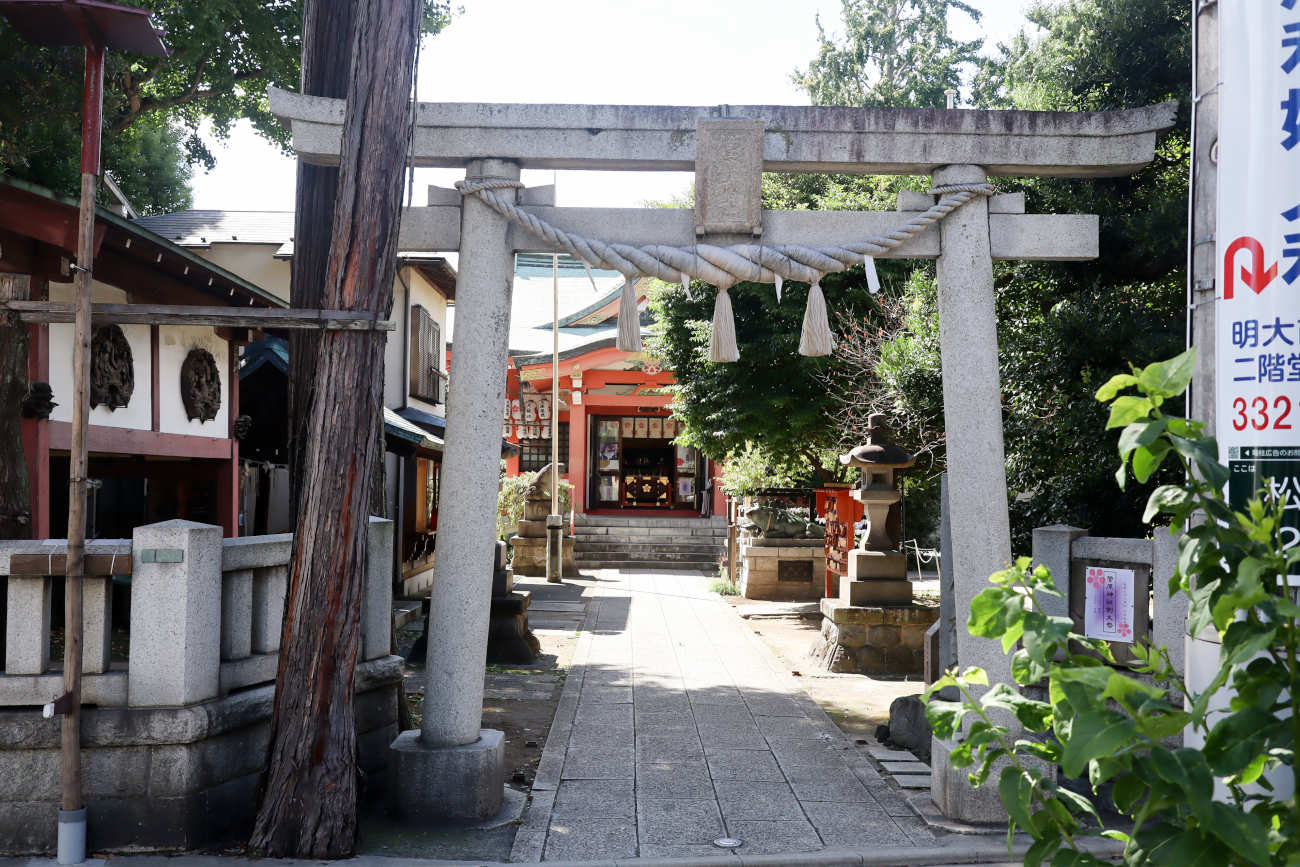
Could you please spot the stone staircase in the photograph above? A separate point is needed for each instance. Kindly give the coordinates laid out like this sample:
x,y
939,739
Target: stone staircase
x,y
642,542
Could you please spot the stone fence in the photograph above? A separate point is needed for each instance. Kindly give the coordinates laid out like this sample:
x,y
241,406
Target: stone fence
x,y
174,735
1069,551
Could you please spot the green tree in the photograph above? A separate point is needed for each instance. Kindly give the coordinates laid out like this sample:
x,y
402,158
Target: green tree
x,y
223,58
1091,55
893,53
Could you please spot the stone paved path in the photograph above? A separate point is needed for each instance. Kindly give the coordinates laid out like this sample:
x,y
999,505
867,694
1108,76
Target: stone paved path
x,y
677,726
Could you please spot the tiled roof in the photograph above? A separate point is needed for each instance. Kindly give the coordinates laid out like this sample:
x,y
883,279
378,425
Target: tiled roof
x,y
198,228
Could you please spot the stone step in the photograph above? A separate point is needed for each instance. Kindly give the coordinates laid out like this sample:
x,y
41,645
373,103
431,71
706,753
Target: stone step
x,y
673,556
649,566
647,547
645,521
618,535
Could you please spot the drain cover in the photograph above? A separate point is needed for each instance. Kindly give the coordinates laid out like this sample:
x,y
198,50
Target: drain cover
x,y
727,842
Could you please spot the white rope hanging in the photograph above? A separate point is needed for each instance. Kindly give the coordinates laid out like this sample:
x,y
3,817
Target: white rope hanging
x,y
725,266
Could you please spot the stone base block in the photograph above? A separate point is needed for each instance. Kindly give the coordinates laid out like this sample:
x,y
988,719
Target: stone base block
x,y
879,591
446,785
956,798
510,641
859,639
530,555
877,564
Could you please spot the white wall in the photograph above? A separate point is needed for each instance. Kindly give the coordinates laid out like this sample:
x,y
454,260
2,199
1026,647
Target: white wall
x,y
256,263
138,413
174,343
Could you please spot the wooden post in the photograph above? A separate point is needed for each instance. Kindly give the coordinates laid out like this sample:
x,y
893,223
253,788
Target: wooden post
x,y
92,101
16,512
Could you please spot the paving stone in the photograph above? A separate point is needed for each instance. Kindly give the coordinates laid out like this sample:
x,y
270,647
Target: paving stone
x,y
770,704
654,748
606,694
676,821
594,799
746,737
768,801
913,781
854,825
887,754
814,783
774,837
757,766
662,701
792,752
593,713
912,767
598,762
722,715
591,840
680,778
787,727
662,721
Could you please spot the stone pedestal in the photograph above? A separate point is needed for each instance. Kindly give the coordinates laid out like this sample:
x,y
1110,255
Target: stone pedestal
x,y
862,639
876,578
530,555
435,785
510,641
781,570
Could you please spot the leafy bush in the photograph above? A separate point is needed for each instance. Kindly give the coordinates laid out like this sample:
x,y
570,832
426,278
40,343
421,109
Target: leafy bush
x,y
1115,723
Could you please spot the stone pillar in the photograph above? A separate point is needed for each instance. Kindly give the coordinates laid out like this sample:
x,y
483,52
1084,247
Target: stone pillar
x,y
175,656
1051,548
27,625
377,603
977,484
947,602
452,769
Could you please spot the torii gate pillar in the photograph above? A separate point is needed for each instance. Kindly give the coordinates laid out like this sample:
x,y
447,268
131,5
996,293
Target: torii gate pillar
x,y
451,769
977,483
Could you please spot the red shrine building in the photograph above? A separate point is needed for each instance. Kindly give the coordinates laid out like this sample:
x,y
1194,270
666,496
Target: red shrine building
x,y
616,427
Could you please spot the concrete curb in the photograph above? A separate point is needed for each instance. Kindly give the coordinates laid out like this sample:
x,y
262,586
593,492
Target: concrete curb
x,y
970,851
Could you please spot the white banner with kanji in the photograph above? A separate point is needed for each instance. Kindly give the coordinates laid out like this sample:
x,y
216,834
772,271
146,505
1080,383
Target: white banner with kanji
x,y
1258,243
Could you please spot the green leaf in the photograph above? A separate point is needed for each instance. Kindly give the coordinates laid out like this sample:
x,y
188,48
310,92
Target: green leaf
x,y
1237,738
1165,498
1243,833
1093,734
1042,848
1140,433
1017,793
1147,459
1128,409
1168,378
1115,385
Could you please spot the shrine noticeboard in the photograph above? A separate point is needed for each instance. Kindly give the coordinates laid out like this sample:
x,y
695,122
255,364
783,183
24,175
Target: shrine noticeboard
x,y
1258,246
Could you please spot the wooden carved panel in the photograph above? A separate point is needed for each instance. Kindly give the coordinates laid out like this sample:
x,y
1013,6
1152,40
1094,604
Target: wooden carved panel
x,y
200,385
112,370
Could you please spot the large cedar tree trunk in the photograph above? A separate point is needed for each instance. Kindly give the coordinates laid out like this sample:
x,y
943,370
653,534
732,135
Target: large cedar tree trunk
x,y
15,491
326,69
309,806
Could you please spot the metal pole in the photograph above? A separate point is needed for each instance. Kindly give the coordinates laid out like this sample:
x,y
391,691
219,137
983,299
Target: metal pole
x,y
72,817
555,521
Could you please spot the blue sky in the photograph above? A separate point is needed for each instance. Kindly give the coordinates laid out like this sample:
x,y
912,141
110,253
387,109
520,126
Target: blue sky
x,y
665,52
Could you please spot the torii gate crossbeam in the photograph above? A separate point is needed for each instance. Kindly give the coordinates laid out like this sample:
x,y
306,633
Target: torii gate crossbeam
x,y
455,764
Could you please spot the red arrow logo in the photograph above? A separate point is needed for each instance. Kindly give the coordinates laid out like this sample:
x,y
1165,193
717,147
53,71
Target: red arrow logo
x,y
1257,276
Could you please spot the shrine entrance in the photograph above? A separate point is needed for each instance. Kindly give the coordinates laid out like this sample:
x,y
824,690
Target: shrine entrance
x,y
635,466
727,238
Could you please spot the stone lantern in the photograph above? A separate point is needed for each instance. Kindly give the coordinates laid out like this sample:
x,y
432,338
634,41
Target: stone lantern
x,y
878,566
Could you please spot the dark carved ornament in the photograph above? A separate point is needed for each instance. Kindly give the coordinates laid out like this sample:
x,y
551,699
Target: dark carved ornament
x,y
39,400
112,372
200,385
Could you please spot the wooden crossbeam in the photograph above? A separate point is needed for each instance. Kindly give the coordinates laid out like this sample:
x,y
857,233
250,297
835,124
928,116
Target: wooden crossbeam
x,y
35,565
218,317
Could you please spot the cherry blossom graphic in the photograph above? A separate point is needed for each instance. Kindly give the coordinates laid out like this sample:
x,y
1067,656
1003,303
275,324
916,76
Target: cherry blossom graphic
x,y
1125,630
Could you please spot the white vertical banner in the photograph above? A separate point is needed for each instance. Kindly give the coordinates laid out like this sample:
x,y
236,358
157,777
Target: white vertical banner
x,y
1258,244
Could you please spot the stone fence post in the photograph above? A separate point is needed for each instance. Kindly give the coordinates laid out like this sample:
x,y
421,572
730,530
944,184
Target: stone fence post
x,y
377,595
1051,548
175,656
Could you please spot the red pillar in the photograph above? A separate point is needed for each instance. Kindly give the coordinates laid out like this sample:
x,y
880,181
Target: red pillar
x,y
577,458
228,474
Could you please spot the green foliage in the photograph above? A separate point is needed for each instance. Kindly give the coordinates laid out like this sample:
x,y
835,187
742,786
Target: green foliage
x,y
723,587
750,470
1112,722
893,53
223,57
772,399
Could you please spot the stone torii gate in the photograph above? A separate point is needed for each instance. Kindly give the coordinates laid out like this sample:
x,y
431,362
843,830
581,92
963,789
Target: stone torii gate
x,y
452,768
